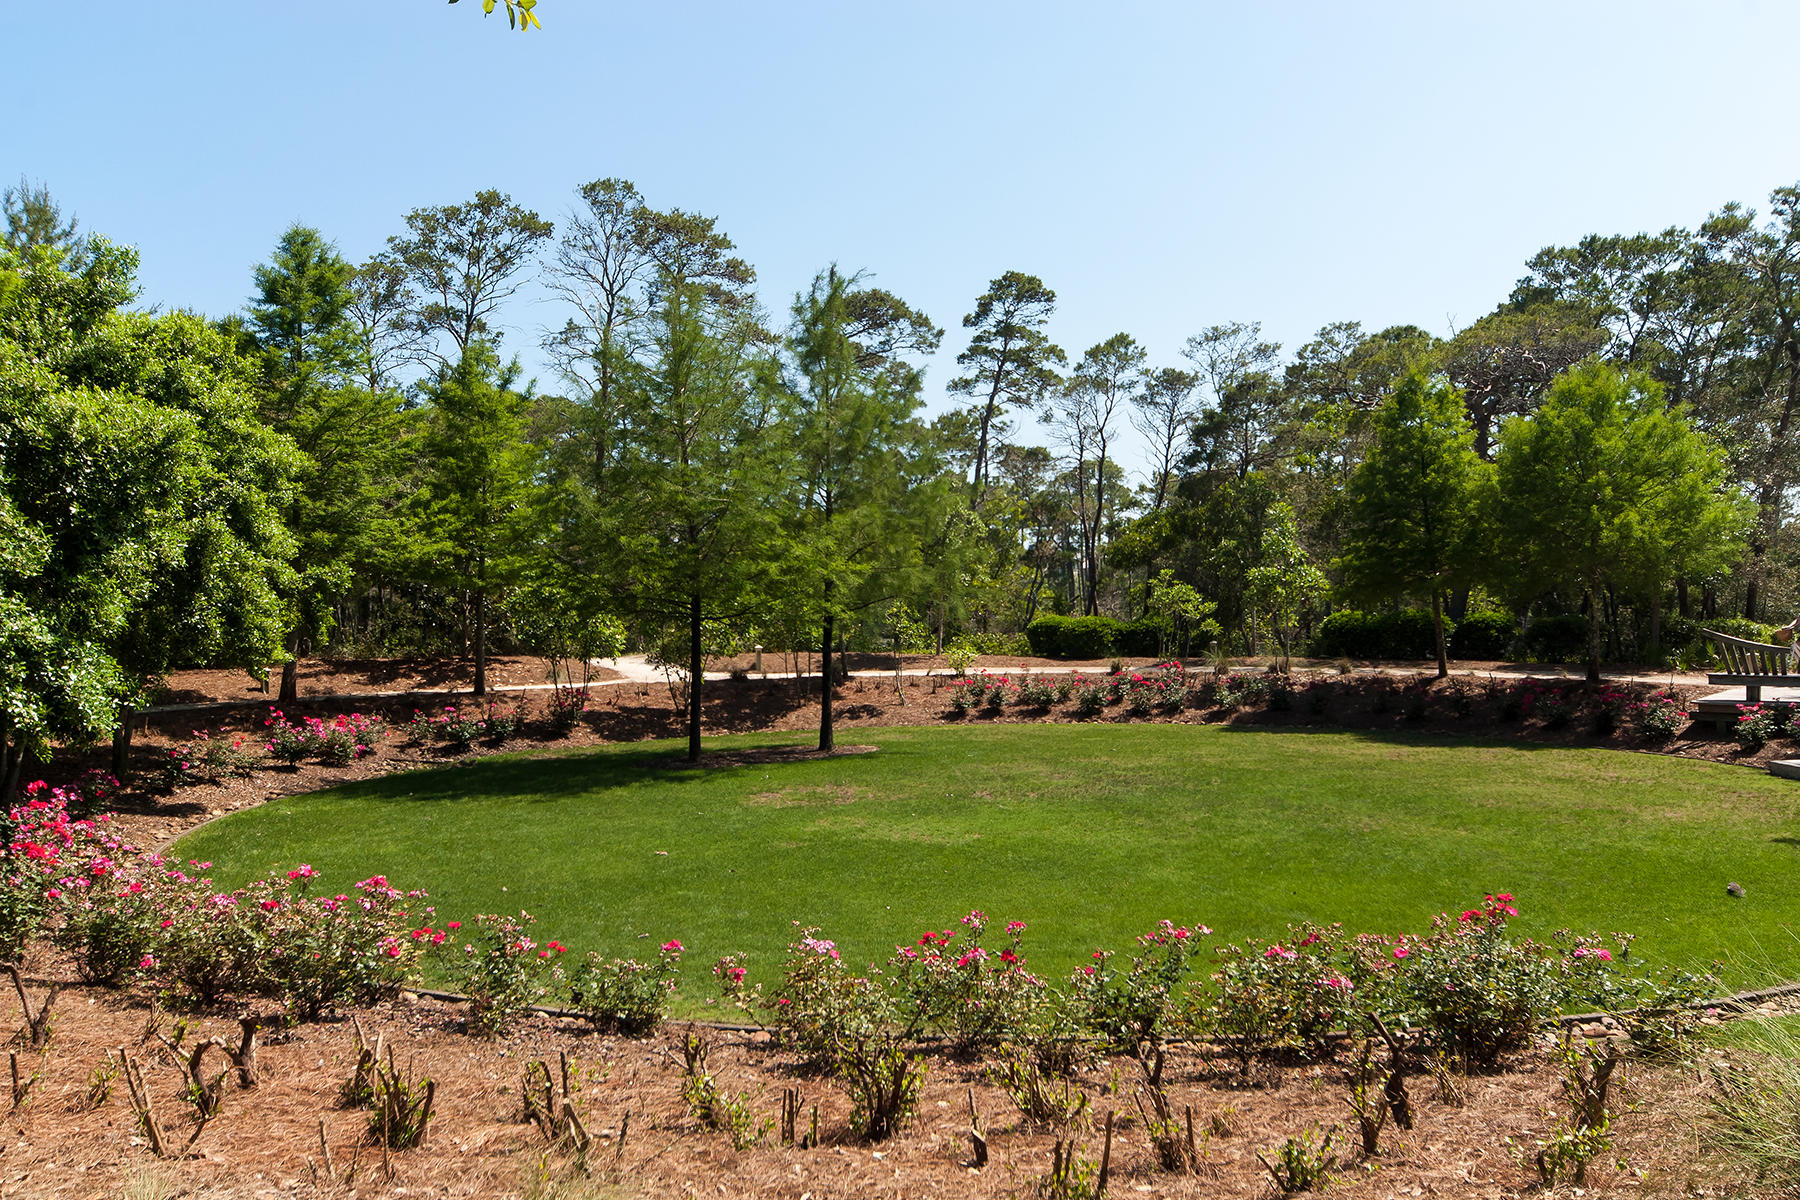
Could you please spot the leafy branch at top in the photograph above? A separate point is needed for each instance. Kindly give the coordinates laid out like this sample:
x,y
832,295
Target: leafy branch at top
x,y
518,12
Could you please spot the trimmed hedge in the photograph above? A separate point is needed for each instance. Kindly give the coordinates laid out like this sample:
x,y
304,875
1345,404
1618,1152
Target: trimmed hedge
x,y
1091,637
1404,634
1484,635
1554,639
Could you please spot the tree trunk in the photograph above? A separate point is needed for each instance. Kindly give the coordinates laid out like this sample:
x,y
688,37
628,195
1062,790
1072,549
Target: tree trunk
x,y
1593,635
696,675
290,671
1437,627
827,736
13,754
481,643
1682,604
121,745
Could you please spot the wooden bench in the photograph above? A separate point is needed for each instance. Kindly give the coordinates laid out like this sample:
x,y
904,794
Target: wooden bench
x,y
1752,664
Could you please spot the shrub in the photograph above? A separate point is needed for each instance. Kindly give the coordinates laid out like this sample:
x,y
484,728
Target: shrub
x,y
1035,693
1610,707
1553,704
1406,634
1090,697
821,1008
344,739
1130,1006
1044,636
501,722
970,995
1475,993
967,693
1660,716
501,969
332,952
1758,724
288,742
1091,638
883,1083
459,728
566,706
1279,994
1554,639
622,995
1483,635
1015,644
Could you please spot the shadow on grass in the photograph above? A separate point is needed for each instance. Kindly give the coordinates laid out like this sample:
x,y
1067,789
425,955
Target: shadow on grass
x,y
559,774
1421,736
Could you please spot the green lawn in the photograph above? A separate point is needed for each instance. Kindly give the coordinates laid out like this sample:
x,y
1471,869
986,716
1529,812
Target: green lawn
x,y
1090,833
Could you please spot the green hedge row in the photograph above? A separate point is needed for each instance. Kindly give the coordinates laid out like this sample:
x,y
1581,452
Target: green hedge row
x,y
1092,637
1407,634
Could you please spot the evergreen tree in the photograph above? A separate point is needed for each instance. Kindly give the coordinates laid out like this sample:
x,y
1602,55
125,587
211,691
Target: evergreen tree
x,y
857,494
1414,501
473,509
690,526
1010,360
300,325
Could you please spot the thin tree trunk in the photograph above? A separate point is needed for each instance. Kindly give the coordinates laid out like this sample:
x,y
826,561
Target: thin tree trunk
x,y
121,745
696,675
1437,626
481,643
290,671
1593,635
13,753
827,735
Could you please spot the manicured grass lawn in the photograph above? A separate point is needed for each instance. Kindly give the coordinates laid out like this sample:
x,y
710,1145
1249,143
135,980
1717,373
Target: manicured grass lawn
x,y
1091,833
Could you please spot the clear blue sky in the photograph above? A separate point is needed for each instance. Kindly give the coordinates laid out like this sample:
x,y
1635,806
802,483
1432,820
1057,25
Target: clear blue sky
x,y
1162,166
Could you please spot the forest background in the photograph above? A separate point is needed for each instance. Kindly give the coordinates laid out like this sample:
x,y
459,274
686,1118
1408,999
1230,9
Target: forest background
x,y
1211,325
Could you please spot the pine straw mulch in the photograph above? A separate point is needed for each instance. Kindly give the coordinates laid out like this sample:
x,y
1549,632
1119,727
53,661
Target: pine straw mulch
x,y
266,1142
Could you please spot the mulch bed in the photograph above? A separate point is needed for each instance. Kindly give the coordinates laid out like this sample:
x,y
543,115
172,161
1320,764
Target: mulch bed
x,y
266,1142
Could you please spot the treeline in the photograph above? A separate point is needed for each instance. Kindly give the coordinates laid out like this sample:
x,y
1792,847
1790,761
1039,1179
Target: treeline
x,y
353,464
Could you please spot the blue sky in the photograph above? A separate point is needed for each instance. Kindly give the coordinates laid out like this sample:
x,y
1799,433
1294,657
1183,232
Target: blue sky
x,y
1162,166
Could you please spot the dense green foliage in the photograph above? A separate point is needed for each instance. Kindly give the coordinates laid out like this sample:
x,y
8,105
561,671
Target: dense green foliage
x,y
364,471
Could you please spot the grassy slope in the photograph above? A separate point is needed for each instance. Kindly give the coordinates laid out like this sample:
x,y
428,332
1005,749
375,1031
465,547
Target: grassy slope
x,y
1089,832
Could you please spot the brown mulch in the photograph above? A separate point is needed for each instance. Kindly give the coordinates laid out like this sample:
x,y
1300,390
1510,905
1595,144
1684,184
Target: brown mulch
x,y
342,676
265,1142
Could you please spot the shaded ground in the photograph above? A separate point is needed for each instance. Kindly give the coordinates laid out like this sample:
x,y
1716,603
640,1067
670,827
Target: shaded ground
x,y
337,676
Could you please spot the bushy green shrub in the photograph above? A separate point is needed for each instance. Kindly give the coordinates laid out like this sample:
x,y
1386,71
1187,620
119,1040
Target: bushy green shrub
x,y
1093,637
1554,639
623,995
1404,634
1482,635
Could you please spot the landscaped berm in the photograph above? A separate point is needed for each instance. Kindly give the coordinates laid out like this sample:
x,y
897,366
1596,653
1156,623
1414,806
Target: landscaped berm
x,y
1058,959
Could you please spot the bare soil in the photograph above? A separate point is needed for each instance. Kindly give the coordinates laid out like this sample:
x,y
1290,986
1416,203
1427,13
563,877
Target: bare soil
x,y
266,1141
